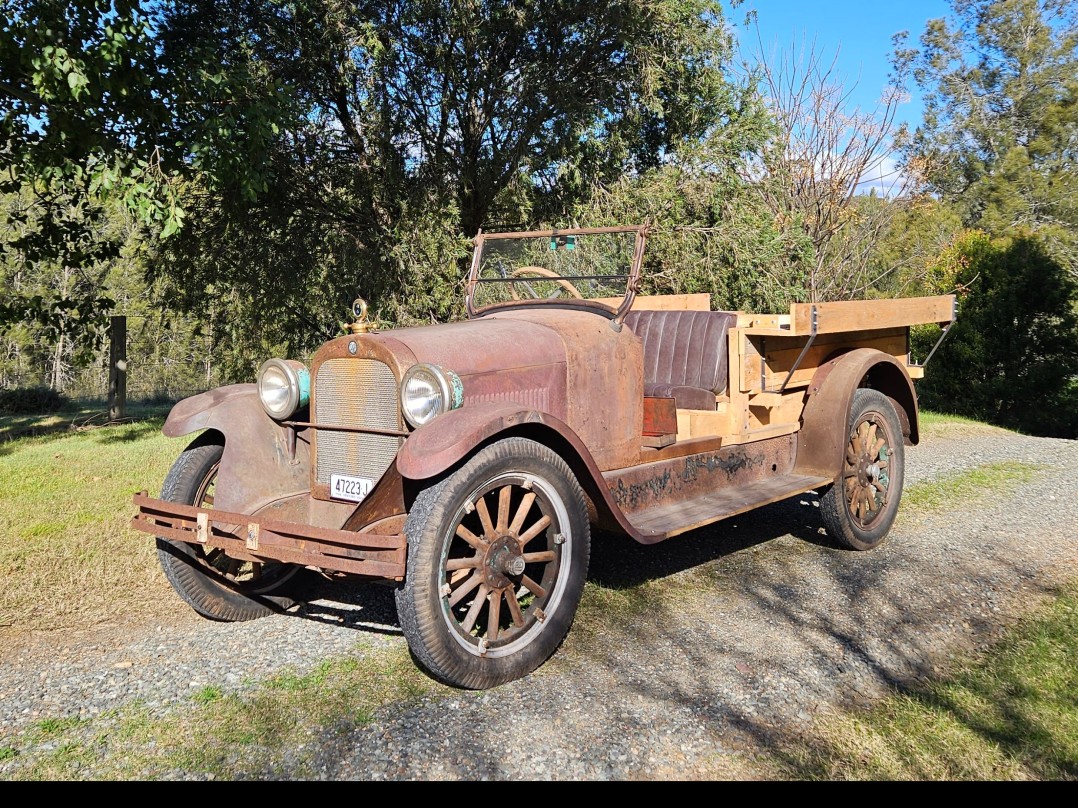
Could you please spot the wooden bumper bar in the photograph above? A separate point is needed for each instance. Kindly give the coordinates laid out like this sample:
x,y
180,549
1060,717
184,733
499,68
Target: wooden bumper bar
x,y
251,538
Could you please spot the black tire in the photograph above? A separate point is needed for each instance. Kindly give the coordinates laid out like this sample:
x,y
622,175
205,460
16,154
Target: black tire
x,y
213,584
450,605
860,508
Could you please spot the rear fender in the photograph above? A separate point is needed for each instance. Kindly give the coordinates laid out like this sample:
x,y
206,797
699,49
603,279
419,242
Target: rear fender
x,y
822,439
258,466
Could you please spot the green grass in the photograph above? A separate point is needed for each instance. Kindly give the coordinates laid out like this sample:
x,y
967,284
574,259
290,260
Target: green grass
x,y
227,736
967,486
1009,714
67,555
940,423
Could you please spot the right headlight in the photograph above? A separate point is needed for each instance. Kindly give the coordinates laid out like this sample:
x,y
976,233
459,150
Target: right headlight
x,y
284,386
427,391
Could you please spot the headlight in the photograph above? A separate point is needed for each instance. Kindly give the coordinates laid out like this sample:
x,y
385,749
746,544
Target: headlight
x,y
284,386
428,391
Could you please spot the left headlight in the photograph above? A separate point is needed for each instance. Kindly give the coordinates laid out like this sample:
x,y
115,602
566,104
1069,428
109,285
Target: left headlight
x,y
428,391
284,386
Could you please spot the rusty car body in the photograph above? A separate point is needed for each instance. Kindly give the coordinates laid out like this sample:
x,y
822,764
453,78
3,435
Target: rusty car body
x,y
466,463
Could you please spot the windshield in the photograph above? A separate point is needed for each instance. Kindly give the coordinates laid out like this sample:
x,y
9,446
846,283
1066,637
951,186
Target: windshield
x,y
566,266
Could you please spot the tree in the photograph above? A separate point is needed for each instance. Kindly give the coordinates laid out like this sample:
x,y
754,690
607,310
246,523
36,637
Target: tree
x,y
414,123
80,104
1011,358
1000,132
814,169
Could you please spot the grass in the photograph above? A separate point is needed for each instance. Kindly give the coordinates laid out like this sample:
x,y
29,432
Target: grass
x,y
967,486
256,736
1009,714
941,423
69,559
67,556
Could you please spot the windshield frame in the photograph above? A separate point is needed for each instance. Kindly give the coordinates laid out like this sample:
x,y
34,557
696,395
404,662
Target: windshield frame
x,y
615,313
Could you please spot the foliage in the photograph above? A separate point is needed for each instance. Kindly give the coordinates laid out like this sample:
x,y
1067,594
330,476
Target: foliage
x,y
814,170
26,400
1012,355
408,126
905,256
80,107
1000,79
710,232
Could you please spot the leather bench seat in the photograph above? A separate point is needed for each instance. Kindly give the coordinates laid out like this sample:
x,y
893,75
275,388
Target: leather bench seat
x,y
686,356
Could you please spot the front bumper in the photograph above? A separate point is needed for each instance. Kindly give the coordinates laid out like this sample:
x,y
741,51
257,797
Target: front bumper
x,y
251,538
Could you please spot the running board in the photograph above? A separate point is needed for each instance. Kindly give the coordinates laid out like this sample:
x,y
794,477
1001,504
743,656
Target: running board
x,y
664,520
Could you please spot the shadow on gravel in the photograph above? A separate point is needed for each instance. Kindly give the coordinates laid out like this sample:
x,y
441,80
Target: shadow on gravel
x,y
769,634
619,562
361,606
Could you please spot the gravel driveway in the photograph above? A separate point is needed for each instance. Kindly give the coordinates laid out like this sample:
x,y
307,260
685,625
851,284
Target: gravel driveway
x,y
786,626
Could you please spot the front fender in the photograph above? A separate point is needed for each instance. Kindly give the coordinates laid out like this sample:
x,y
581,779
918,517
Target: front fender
x,y
822,439
258,466
449,438
436,446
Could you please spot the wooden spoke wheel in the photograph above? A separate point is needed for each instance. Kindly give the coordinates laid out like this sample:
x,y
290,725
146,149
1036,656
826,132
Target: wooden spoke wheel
x,y
214,584
498,556
860,508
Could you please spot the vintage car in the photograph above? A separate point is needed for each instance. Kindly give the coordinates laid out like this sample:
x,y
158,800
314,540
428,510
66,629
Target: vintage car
x,y
466,463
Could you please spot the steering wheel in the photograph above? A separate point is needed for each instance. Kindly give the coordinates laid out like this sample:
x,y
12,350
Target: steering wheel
x,y
545,273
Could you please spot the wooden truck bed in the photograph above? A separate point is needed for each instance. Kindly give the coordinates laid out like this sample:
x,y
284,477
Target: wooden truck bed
x,y
773,357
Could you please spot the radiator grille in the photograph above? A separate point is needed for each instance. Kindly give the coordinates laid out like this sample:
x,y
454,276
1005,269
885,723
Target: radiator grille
x,y
356,393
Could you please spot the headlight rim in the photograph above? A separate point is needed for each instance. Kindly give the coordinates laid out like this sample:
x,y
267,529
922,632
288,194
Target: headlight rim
x,y
444,379
294,372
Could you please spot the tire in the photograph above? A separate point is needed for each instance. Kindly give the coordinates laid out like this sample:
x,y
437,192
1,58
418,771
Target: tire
x,y
480,604
214,585
860,508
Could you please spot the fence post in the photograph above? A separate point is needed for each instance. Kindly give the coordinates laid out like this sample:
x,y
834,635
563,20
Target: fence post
x,y
117,367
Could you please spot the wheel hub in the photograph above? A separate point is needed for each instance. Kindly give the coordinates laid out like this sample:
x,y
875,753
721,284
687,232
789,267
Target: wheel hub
x,y
503,561
868,472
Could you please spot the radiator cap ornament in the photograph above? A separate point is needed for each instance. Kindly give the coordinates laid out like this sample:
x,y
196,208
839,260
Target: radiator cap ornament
x,y
361,324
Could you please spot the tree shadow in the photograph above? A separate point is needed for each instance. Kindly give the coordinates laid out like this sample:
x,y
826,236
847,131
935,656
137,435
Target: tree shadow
x,y
143,422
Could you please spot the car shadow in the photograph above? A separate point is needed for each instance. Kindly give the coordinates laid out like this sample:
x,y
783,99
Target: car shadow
x,y
617,562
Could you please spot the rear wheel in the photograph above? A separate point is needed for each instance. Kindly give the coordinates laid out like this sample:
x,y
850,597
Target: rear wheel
x,y
497,559
860,508
213,584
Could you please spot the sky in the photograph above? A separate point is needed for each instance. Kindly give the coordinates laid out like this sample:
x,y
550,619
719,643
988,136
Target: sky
x,y
859,31
857,35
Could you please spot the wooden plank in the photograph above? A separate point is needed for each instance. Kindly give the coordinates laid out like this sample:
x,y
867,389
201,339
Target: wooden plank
x,y
703,423
751,374
778,364
761,432
693,302
764,323
858,315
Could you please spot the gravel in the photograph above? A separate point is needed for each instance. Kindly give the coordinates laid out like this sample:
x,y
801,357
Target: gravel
x,y
787,627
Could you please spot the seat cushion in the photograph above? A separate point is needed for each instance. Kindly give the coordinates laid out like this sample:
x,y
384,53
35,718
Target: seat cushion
x,y
685,349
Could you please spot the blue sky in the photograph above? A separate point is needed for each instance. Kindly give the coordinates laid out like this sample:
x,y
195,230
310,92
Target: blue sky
x,y
860,31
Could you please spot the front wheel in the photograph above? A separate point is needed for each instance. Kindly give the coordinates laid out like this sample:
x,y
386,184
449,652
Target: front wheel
x,y
212,583
859,509
497,559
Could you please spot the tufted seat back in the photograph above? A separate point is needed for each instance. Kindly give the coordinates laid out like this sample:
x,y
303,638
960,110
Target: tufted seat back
x,y
686,356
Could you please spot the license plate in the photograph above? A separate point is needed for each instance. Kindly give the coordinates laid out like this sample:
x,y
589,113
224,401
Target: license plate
x,y
350,488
